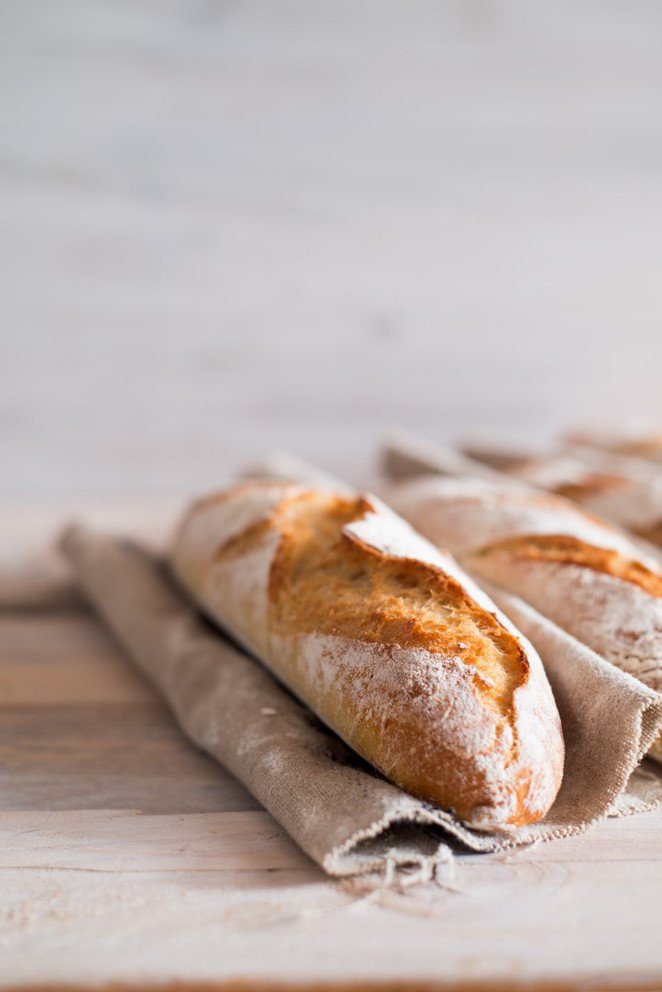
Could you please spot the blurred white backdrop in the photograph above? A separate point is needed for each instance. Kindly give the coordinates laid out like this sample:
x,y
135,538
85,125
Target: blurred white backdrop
x,y
229,225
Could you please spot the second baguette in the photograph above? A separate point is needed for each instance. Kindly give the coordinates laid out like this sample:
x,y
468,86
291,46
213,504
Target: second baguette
x,y
586,576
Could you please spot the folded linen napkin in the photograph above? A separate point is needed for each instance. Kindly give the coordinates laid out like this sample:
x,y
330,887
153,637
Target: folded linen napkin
x,y
343,814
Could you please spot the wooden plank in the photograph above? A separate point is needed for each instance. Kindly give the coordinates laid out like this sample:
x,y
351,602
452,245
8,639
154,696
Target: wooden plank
x,y
113,840
81,729
121,840
49,660
31,590
504,921
628,839
129,757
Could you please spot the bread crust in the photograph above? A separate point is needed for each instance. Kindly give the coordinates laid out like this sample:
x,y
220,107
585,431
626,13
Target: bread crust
x,y
587,577
626,491
386,639
652,534
618,618
464,515
630,502
632,442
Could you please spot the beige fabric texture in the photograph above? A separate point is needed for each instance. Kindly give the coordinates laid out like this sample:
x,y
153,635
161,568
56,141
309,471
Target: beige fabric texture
x,y
344,815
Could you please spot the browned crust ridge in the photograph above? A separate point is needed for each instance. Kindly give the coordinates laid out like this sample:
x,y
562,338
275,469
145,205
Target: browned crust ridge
x,y
566,550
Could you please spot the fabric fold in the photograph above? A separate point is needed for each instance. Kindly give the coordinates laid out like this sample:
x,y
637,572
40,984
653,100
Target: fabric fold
x,y
344,815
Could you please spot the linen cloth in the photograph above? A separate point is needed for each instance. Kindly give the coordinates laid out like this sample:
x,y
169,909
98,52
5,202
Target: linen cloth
x,y
342,813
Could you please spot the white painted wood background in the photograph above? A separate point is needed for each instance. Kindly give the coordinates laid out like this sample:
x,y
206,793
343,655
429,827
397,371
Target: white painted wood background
x,y
225,225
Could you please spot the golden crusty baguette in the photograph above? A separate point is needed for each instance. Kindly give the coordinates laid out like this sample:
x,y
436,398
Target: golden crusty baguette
x,y
387,641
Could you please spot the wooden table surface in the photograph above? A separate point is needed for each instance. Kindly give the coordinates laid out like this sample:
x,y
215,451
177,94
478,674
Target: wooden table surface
x,y
128,855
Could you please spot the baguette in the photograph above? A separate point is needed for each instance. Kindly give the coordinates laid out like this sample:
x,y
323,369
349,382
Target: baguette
x,y
586,576
385,639
627,500
635,441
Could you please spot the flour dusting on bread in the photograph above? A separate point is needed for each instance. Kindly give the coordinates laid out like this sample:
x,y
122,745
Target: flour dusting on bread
x,y
386,639
586,576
